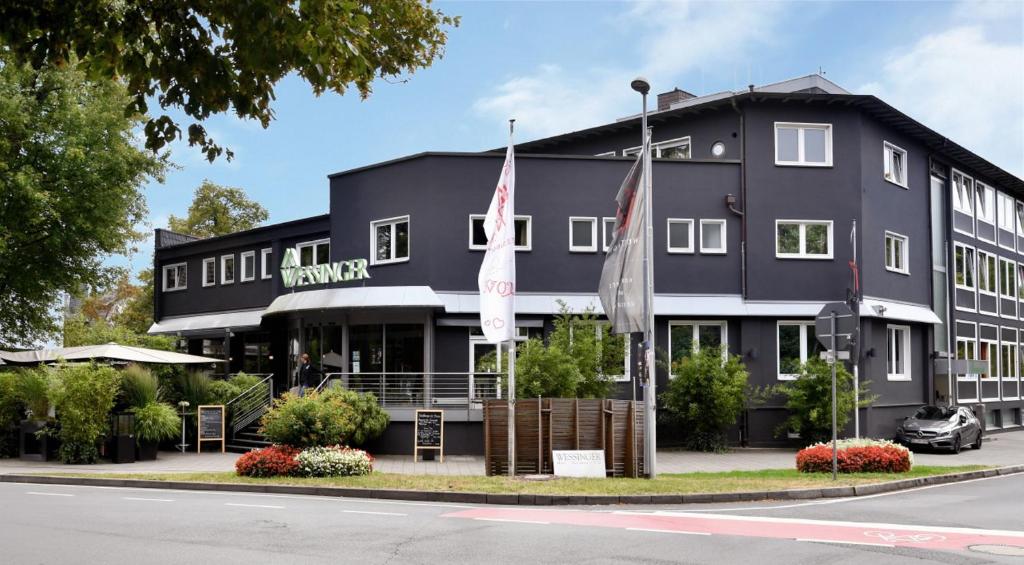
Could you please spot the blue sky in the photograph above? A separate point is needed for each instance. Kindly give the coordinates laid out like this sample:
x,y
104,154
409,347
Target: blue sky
x,y
560,66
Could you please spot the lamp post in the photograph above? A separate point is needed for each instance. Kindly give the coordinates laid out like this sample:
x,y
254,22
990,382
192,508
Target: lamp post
x,y
642,86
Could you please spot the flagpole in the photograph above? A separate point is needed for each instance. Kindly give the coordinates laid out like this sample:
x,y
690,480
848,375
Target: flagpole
x,y
856,346
511,368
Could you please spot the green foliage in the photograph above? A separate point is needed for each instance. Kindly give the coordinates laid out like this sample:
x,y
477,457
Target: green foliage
x,y
194,387
204,58
33,389
71,178
219,210
139,387
336,416
224,391
83,396
545,371
809,400
156,422
11,409
137,314
79,331
706,397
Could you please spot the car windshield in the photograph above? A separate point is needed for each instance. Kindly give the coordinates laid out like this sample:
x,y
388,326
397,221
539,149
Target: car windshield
x,y
934,413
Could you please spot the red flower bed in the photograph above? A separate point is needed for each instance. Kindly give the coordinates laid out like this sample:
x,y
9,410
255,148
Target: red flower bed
x,y
854,459
273,461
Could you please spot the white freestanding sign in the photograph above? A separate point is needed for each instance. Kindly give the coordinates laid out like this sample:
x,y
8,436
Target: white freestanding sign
x,y
582,463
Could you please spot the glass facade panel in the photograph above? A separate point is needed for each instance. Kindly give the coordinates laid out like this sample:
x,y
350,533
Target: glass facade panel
x,y
815,148
787,144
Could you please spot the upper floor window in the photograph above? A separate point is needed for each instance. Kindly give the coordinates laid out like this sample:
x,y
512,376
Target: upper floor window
x,y
808,145
227,269
896,252
175,277
209,271
986,203
680,235
314,252
672,149
712,236
803,239
266,268
963,193
248,266
1005,212
895,164
390,240
1007,279
582,234
797,343
963,259
524,239
607,232
897,353
632,151
987,274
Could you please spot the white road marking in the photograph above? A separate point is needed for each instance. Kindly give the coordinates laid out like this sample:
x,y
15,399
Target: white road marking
x,y
48,493
845,542
140,499
253,505
669,531
513,521
374,513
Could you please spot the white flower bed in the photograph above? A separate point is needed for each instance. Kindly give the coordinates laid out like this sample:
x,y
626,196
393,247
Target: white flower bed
x,y
334,461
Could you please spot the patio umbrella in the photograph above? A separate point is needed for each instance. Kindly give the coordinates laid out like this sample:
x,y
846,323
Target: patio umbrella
x,y
110,351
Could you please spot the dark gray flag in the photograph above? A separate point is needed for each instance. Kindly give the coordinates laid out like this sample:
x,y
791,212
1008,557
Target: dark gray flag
x,y
622,278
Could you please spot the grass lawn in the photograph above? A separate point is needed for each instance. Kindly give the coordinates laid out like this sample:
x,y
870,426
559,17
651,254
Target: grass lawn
x,y
684,483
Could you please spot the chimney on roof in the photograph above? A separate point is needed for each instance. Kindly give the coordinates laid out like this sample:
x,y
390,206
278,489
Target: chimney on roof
x,y
667,99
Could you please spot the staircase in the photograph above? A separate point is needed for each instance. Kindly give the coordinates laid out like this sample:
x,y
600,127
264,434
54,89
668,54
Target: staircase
x,y
247,439
245,412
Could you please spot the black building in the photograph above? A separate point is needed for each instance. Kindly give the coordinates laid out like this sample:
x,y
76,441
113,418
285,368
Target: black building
x,y
755,195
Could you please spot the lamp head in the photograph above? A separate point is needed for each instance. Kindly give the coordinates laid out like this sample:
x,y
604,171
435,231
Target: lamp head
x,y
640,85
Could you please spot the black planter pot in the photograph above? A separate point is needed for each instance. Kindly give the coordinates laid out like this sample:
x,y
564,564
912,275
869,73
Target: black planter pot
x,y
33,448
147,450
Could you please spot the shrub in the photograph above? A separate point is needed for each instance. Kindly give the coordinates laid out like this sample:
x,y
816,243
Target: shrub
x,y
139,387
11,408
366,419
273,461
545,371
856,456
334,461
322,419
83,396
33,388
809,400
194,387
224,391
156,422
706,396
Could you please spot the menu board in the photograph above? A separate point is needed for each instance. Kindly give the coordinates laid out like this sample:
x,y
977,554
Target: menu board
x,y
211,425
429,431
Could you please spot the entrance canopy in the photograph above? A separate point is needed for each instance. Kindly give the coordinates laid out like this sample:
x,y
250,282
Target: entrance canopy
x,y
205,323
111,351
356,297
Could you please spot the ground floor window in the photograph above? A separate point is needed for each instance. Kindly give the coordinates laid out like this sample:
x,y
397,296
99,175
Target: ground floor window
x,y
257,356
687,336
897,353
796,344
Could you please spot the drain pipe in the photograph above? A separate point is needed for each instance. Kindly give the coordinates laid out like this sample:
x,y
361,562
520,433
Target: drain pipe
x,y
730,200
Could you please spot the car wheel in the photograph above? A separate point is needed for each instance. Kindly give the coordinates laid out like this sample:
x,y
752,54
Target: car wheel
x,y
977,443
956,444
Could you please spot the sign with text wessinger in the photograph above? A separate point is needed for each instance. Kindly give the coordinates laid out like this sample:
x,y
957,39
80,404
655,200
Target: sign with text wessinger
x,y
580,463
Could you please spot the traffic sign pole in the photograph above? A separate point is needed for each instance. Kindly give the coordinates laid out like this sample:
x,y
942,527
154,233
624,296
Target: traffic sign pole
x,y
835,453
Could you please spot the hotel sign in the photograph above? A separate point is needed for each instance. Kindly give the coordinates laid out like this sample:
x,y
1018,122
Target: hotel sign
x,y
295,274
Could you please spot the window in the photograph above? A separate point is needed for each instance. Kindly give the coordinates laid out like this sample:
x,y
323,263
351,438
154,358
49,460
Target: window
x,y
895,164
963,193
1008,360
987,276
582,234
614,352
686,337
266,268
390,239
712,236
314,252
227,269
209,271
606,154
248,266
966,349
989,353
986,210
898,353
800,239
608,232
1006,212
680,236
796,344
478,237
1007,279
632,151
672,149
963,259
896,253
806,145
175,277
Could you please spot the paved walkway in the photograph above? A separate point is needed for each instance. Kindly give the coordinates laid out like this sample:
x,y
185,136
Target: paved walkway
x,y
999,449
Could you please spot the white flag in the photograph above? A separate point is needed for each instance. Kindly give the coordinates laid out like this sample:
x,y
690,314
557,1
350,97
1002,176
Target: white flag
x,y
497,279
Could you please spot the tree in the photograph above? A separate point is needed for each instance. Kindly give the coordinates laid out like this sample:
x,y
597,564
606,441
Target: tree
x,y
137,314
206,58
219,210
79,331
71,179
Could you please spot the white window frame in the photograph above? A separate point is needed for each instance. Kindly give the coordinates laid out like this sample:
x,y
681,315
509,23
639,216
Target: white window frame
x,y
670,144
994,344
592,220
995,284
668,238
607,225
393,222
518,217
1020,286
266,269
1006,213
251,255
971,264
1014,365
1004,280
607,154
625,377
801,157
180,283
890,258
725,241
956,189
210,261
803,324
989,195
892,333
632,151
888,151
224,271
723,326
803,239
972,342
1018,213
313,245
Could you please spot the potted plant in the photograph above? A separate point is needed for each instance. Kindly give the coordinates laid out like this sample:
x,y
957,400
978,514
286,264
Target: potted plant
x,y
154,422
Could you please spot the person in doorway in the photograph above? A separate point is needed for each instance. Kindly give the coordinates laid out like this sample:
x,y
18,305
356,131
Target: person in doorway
x,y
309,377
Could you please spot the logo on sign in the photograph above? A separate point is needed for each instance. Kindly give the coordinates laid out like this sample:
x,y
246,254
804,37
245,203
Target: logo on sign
x,y
293,273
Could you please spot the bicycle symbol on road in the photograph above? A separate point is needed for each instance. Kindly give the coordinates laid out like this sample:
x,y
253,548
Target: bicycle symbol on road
x,y
893,537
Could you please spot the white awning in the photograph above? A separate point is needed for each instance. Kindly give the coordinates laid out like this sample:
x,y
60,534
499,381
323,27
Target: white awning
x,y
901,311
111,351
239,320
356,297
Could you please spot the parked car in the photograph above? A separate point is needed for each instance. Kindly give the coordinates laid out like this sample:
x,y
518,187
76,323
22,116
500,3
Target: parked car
x,y
941,427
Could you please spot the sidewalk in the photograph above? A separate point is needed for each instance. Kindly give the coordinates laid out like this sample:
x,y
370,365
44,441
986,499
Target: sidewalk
x,y
999,450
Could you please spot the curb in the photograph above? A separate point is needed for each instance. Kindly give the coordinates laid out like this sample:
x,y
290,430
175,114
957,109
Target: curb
x,y
524,499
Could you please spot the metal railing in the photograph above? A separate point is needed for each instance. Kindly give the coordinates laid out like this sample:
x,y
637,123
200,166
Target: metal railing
x,y
251,404
422,389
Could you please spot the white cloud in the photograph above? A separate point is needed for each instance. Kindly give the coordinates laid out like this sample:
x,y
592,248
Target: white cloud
x,y
672,38
964,84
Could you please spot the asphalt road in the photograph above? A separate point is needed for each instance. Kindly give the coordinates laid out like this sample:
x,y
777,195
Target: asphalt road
x,y
70,524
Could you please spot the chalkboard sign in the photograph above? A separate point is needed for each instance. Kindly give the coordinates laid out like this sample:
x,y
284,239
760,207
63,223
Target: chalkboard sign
x,y
429,432
211,425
